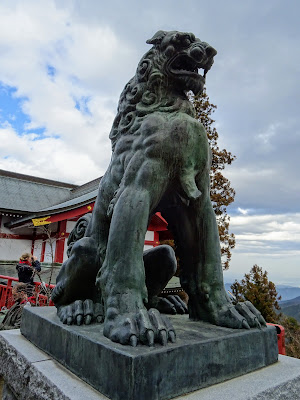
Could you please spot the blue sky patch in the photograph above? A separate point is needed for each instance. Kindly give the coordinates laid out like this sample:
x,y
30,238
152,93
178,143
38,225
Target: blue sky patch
x,y
40,132
51,71
11,108
81,104
11,111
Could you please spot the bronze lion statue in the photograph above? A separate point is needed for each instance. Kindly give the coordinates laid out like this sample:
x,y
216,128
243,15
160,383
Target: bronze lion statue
x,y
160,162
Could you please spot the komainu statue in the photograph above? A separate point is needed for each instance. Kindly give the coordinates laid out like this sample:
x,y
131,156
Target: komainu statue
x,y
160,162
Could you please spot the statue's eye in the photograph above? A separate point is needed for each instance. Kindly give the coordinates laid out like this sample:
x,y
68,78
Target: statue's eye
x,y
175,39
181,40
186,41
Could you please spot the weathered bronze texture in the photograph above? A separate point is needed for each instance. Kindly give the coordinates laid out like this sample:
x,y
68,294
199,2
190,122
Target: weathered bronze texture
x,y
160,162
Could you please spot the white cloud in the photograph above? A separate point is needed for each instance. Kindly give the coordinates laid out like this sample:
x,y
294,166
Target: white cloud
x,y
264,139
242,211
271,241
266,234
92,51
84,58
48,157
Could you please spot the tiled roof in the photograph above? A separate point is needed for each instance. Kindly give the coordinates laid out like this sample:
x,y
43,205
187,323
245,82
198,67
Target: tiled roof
x,y
86,188
73,202
28,194
83,194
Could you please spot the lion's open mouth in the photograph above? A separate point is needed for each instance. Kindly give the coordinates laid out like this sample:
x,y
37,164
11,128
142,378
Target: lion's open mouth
x,y
185,65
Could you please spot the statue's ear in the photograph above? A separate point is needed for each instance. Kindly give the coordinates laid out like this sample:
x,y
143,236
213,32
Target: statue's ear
x,y
157,38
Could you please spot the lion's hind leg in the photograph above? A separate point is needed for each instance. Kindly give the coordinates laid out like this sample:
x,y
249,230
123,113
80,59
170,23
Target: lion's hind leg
x,y
76,296
75,293
77,275
160,266
210,301
198,247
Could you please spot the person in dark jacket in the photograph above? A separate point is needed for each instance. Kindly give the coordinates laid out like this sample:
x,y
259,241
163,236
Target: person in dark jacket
x,y
26,268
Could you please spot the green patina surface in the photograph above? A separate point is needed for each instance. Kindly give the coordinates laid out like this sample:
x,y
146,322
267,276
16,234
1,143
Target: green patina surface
x,y
160,162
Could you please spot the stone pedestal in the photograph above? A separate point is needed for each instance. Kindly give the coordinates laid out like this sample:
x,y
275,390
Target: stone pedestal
x,y
202,356
31,374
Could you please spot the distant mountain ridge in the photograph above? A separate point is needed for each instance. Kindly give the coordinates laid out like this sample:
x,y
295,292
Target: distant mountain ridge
x,y
286,292
291,302
291,308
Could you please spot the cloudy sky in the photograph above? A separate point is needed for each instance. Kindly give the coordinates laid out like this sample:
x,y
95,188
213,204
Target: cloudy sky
x,y
64,64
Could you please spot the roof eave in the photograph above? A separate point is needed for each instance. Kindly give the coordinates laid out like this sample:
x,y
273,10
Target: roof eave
x,y
27,221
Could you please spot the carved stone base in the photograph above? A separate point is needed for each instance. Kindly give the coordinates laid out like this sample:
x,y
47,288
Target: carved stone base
x,y
203,355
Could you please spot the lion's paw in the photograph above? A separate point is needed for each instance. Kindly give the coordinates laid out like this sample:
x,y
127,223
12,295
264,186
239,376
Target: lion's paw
x,y
171,304
81,312
145,327
240,316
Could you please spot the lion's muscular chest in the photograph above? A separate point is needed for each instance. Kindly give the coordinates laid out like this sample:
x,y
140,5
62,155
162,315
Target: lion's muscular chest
x,y
174,138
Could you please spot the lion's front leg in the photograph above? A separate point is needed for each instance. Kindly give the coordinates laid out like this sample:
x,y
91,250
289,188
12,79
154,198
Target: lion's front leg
x,y
122,276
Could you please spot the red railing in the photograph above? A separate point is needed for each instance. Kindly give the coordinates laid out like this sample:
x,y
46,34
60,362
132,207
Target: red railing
x,y
6,298
280,338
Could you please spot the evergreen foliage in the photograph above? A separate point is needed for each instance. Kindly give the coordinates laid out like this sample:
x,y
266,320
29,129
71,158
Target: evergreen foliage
x,y
262,293
292,335
221,192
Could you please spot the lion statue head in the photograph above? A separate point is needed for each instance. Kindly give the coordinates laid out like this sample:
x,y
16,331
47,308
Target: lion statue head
x,y
163,77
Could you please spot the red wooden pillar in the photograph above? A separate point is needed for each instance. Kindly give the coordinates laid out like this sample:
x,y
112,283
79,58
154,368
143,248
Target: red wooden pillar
x,y
43,251
60,242
156,239
33,240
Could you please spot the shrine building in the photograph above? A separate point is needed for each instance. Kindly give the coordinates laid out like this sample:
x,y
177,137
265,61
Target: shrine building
x,y
37,216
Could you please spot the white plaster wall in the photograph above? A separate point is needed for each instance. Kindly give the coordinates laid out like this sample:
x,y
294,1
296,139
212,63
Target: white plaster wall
x,y
48,257
38,249
12,249
65,250
147,247
149,235
70,226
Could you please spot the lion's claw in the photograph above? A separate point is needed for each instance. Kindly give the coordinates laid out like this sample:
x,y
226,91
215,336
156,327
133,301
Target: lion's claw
x,y
242,315
180,306
252,315
245,312
256,313
150,338
80,312
144,327
257,324
171,304
133,341
162,337
245,324
172,336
